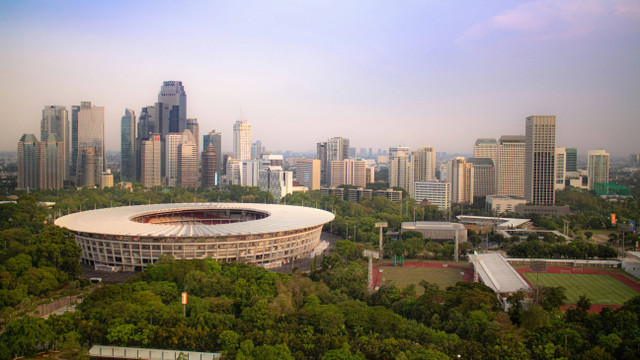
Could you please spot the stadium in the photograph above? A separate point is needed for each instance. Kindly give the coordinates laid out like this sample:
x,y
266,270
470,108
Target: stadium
x,y
130,237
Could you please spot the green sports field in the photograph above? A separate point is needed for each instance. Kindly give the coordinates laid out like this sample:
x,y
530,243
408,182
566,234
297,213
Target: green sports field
x,y
601,289
403,276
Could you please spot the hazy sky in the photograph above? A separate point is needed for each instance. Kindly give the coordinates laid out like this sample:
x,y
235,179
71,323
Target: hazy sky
x,y
438,73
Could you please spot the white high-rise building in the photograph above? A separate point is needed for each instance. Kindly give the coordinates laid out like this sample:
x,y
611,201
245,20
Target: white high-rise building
x,y
540,150
55,120
561,168
151,161
423,162
436,192
401,172
171,108
486,149
597,167
171,142
349,172
510,173
242,140
460,176
188,160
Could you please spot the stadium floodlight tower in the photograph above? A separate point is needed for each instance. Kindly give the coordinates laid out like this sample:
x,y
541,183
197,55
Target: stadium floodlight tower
x,y
381,225
371,254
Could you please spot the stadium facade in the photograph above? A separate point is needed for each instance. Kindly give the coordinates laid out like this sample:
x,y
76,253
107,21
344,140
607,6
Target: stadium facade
x,y
130,237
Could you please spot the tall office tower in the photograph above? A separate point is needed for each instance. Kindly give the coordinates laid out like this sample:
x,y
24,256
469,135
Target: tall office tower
x,y
436,192
349,172
486,149
423,162
192,125
242,140
55,119
75,110
171,108
87,173
401,172
337,150
90,127
28,162
171,143
215,138
572,159
256,150
510,174
540,149
151,161
321,154
308,173
484,181
187,161
561,168
209,167
50,153
128,146
597,167
460,175
147,123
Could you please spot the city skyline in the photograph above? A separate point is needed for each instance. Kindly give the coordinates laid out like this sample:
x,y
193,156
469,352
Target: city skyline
x,y
380,76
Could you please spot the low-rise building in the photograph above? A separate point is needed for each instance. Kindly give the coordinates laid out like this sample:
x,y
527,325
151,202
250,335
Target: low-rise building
x,y
499,204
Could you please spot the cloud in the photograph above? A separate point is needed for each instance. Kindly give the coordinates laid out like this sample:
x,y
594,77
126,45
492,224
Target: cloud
x,y
552,19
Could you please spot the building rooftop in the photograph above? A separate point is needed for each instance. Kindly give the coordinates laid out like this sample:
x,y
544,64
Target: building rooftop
x,y
496,273
432,225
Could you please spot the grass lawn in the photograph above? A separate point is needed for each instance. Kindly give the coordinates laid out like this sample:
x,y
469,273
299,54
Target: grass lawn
x,y
403,276
601,289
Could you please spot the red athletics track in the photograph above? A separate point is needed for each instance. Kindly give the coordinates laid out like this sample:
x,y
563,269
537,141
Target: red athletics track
x,y
595,308
468,272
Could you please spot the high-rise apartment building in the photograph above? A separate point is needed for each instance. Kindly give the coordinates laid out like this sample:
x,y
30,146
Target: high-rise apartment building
x,y
151,161
401,172
540,149
308,173
55,120
423,162
435,192
128,146
215,138
460,175
597,167
171,143
572,160
187,161
28,162
90,134
484,181
50,153
511,158
337,150
561,168
393,151
349,172
209,167
256,150
171,108
242,140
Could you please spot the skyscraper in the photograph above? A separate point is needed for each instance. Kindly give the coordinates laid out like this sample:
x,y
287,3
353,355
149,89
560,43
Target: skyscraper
x,y
171,109
75,110
27,162
486,149
337,150
215,138
242,140
349,172
511,158
209,167
423,162
127,146
561,168
256,150
321,154
187,161
597,167
147,123
460,175
194,127
572,159
151,161
171,143
90,134
540,148
401,172
55,119
87,173
50,160
308,173
484,181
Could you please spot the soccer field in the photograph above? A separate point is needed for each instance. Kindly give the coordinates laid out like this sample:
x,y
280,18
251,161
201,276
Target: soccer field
x,y
601,289
403,276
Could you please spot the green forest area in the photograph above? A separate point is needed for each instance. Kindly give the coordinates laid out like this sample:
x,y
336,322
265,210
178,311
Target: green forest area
x,y
246,312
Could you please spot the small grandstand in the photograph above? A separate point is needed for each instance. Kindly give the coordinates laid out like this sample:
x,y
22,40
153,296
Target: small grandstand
x,y
493,270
